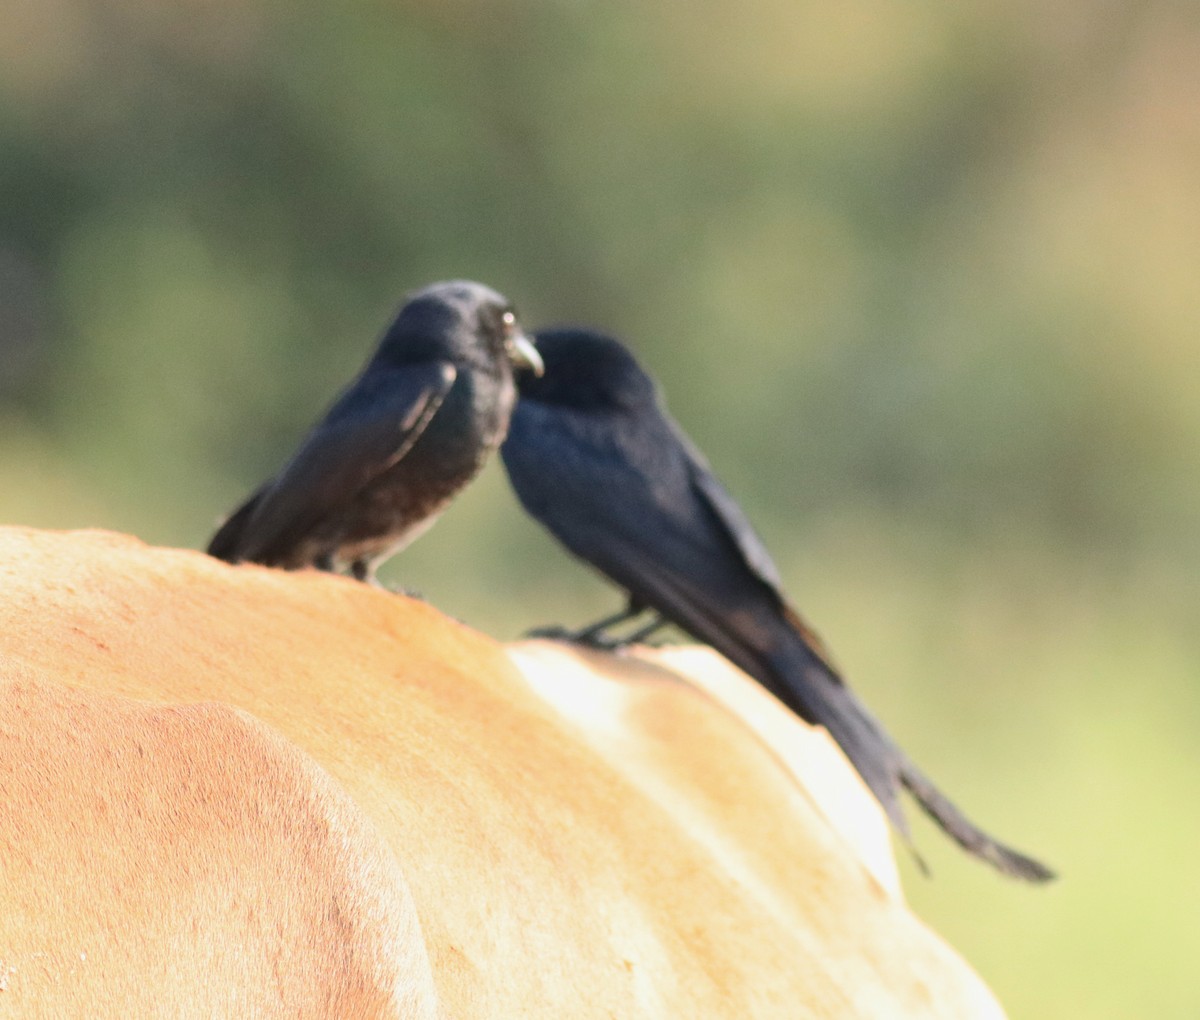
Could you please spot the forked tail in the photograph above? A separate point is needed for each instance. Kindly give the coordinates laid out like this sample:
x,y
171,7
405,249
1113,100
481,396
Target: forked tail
x,y
821,697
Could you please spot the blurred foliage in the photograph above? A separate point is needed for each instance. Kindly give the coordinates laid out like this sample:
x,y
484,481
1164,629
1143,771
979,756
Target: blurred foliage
x,y
917,277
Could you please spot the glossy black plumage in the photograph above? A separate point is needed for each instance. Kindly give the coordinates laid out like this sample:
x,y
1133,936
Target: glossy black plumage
x,y
593,457
416,425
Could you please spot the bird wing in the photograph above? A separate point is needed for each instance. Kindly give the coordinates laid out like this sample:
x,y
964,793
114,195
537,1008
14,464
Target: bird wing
x,y
369,430
728,515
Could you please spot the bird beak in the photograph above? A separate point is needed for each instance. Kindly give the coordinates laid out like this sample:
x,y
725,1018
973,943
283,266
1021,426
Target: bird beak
x,y
524,355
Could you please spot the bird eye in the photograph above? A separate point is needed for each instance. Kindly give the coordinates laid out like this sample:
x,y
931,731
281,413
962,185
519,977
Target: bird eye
x,y
509,318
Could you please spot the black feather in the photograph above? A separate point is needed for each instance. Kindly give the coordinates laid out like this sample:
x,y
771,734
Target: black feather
x,y
595,458
389,455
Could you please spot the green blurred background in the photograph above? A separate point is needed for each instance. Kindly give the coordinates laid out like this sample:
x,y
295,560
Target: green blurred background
x,y
920,278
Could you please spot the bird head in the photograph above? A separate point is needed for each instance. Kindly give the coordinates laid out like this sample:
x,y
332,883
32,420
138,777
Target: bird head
x,y
586,370
463,322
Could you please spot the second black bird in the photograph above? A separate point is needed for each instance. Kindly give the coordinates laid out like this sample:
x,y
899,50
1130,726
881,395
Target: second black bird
x,y
415,426
592,455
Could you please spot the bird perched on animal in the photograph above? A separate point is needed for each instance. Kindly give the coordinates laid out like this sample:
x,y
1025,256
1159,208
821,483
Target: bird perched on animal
x,y
418,423
595,458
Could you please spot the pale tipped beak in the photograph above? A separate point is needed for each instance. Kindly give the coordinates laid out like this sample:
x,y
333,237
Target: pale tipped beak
x,y
525,355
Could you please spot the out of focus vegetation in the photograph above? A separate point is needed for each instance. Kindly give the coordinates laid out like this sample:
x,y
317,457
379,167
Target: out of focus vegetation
x,y
920,278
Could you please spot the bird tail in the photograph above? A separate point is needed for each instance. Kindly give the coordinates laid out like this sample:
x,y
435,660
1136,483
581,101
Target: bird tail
x,y
226,544
821,697
966,834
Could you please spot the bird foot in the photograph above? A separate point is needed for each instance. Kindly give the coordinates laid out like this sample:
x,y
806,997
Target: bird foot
x,y
399,589
586,637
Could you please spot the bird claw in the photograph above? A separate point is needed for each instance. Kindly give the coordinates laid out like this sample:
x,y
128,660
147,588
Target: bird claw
x,y
602,642
411,593
551,633
586,637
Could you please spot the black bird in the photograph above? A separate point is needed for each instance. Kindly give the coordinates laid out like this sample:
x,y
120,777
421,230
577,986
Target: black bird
x,y
593,456
415,427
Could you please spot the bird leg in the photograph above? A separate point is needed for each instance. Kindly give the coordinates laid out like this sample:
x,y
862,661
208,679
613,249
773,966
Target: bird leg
x,y
595,635
638,637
